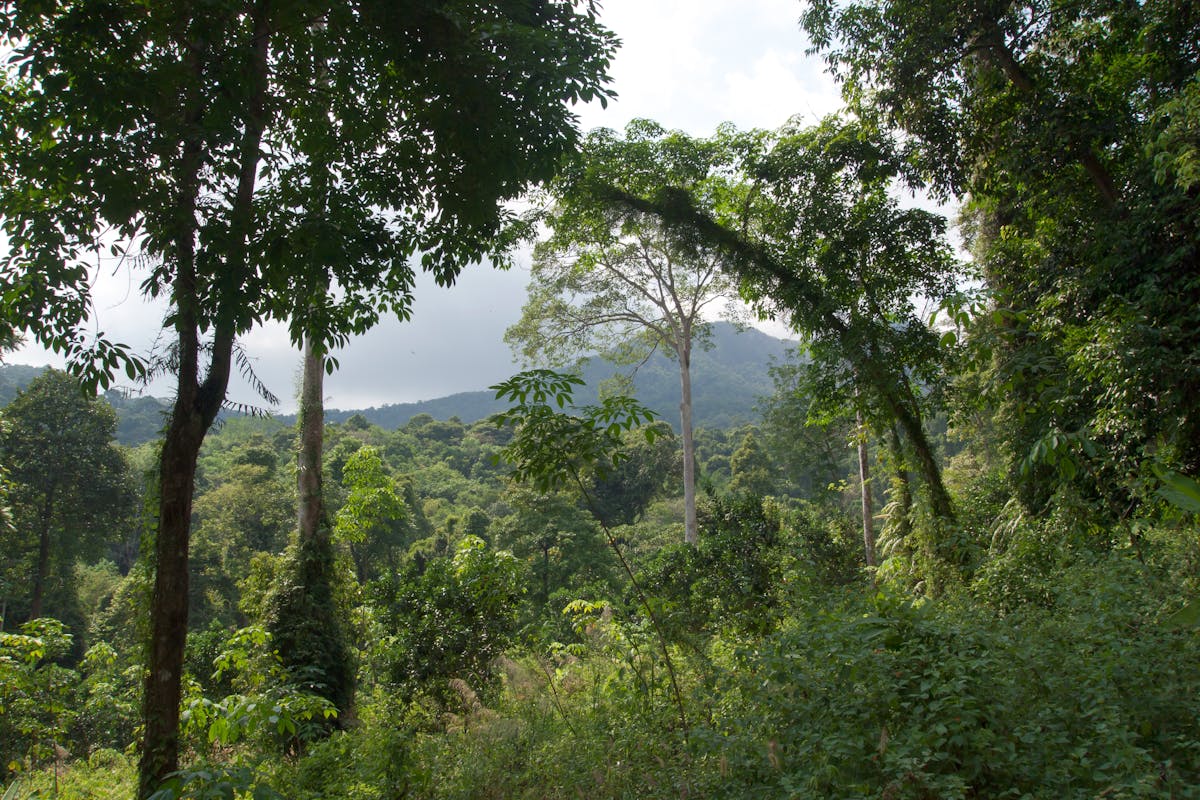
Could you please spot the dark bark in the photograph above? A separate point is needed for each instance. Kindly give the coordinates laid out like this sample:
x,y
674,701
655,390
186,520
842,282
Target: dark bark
x,y
196,407
43,559
169,603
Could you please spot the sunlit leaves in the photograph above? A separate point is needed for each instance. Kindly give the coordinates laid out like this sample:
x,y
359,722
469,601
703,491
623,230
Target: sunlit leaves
x,y
552,447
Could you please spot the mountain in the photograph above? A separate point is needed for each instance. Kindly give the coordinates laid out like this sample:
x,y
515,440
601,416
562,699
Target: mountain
x,y
728,378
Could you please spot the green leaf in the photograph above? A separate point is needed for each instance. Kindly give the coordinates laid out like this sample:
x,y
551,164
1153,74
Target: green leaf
x,y
1179,490
1186,617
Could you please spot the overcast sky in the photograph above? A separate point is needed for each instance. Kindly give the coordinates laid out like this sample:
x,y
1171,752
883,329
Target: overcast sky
x,y
690,65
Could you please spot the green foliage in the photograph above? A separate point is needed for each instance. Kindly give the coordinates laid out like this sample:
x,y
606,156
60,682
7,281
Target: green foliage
x,y
551,449
244,511
564,554
70,489
621,494
750,467
373,522
215,782
731,578
1073,137
805,437
936,701
104,774
306,625
268,704
446,626
108,698
36,708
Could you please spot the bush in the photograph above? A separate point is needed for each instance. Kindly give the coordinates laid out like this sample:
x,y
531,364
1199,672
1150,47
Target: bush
x,y
449,622
889,698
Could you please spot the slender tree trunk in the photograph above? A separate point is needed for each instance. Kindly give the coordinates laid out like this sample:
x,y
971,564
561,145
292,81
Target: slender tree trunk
x,y
302,613
43,559
902,406
691,529
864,477
177,469
169,603
312,437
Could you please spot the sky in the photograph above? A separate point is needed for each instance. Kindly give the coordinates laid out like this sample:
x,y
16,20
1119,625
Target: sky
x,y
689,64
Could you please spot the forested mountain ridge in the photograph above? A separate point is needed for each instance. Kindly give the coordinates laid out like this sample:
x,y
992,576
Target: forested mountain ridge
x,y
731,377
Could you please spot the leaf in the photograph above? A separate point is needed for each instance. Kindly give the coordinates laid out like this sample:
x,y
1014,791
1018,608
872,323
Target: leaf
x,y
1186,617
1179,490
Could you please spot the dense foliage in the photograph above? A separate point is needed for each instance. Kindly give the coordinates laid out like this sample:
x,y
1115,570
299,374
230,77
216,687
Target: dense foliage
x,y
511,596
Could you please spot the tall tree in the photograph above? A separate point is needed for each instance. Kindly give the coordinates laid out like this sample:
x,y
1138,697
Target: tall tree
x,y
70,490
805,217
1070,127
181,131
302,615
607,280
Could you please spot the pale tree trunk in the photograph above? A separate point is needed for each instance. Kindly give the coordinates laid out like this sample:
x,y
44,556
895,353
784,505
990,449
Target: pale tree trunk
x,y
864,477
312,434
691,530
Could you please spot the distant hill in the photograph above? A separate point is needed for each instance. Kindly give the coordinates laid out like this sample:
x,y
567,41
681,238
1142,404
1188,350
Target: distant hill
x,y
728,379
139,419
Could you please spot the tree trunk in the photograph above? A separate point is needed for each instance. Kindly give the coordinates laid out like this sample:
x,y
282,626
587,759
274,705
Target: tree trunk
x,y
43,560
691,529
902,406
196,404
169,603
302,614
312,437
864,477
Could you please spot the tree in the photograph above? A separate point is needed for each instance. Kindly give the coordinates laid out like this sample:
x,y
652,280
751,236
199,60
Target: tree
x,y
806,219
70,490
304,621
751,470
374,518
183,134
621,495
449,623
1070,128
607,279
245,511
804,438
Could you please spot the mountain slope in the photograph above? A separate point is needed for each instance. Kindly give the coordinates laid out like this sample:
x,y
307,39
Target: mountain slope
x,y
728,378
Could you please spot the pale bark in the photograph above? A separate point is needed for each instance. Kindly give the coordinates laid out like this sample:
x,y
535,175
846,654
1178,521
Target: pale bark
x,y
312,434
864,477
691,529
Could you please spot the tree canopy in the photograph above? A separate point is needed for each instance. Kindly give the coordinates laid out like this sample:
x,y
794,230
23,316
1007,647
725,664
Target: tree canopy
x,y
179,138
